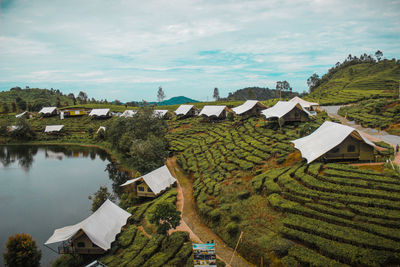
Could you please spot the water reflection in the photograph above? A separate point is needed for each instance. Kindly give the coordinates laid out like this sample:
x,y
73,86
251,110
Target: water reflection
x,y
24,157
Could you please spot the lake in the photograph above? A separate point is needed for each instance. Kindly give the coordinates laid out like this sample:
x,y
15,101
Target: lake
x,y
47,187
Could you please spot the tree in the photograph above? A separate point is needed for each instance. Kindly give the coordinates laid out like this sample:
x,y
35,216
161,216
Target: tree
x,y
23,130
278,88
5,107
22,251
100,197
82,96
313,82
165,217
379,55
216,94
160,94
14,107
286,86
20,103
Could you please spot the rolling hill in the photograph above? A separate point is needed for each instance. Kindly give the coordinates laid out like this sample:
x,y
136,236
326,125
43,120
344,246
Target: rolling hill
x,y
349,83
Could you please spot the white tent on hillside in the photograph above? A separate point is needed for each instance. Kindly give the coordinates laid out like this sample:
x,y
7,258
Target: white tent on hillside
x,y
288,111
128,113
160,113
154,182
53,128
93,235
186,110
334,141
100,113
101,128
25,114
305,104
49,111
218,112
252,107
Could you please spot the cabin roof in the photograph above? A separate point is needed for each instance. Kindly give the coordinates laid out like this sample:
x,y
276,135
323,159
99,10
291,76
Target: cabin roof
x,y
183,109
326,137
160,112
212,111
46,110
246,106
99,112
53,128
128,113
157,180
302,102
101,227
280,109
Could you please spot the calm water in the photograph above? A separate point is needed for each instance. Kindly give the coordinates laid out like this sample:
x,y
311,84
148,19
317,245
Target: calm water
x,y
44,188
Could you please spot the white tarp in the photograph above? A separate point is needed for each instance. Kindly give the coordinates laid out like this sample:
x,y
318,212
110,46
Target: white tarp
x,y
280,109
246,106
160,113
157,180
212,111
128,113
322,140
13,128
53,128
101,227
101,128
21,114
99,112
47,110
183,109
302,102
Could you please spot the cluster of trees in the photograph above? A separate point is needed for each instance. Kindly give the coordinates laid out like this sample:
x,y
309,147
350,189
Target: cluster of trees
x,y
314,80
283,90
141,139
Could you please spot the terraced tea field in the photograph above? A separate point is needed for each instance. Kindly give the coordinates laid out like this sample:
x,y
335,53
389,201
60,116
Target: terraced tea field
x,y
247,177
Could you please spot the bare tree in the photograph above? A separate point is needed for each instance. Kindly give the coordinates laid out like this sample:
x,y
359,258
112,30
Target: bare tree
x,y
216,94
160,94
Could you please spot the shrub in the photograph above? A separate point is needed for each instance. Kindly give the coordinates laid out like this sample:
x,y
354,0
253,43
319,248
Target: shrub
x,y
22,251
232,228
244,195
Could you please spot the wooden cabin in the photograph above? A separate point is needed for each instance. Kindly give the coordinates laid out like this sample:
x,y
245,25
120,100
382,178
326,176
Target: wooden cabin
x,y
287,112
80,244
153,183
249,108
75,112
335,142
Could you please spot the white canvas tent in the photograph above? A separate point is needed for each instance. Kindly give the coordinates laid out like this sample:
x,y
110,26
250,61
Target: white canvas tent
x,y
101,227
53,128
101,112
160,113
326,137
246,106
101,128
210,111
128,113
183,109
21,114
47,110
280,109
158,180
305,104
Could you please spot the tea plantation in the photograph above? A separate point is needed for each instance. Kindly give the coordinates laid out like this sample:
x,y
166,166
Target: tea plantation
x,y
247,177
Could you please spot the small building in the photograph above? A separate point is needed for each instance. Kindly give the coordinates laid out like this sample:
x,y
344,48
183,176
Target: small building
x,y
249,108
287,111
102,113
153,183
334,141
93,235
101,128
53,128
309,106
25,114
185,111
214,112
160,113
49,111
128,113
75,112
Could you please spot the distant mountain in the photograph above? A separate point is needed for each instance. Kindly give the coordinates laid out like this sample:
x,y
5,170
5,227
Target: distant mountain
x,y
258,93
177,100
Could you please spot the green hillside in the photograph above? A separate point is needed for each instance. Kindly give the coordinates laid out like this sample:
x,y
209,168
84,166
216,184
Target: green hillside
x,y
349,83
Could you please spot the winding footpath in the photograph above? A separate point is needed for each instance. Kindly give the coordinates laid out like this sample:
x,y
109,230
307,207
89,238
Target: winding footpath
x,y
371,134
192,223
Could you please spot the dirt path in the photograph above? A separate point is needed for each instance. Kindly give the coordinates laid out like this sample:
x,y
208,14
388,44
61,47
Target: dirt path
x,y
371,134
193,222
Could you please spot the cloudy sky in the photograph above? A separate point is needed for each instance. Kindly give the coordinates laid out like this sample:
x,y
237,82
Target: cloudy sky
x,y
125,50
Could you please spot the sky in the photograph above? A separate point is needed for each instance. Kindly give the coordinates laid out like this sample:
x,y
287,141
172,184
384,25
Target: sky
x,y
125,50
